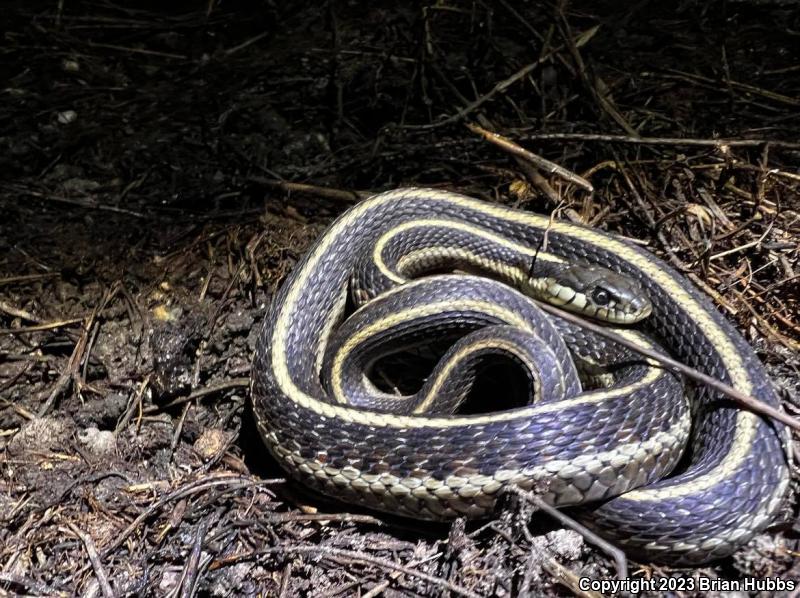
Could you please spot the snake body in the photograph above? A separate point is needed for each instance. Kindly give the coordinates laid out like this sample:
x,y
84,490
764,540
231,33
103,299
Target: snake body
x,y
613,445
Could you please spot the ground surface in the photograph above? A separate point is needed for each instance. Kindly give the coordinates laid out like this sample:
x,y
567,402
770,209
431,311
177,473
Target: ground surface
x,y
148,213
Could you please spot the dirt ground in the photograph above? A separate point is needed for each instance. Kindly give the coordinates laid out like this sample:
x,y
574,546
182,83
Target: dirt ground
x,y
163,167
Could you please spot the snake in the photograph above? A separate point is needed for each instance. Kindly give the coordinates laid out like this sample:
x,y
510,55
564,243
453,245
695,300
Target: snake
x,y
672,473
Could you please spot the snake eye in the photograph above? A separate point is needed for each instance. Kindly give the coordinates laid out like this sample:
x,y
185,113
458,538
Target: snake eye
x,y
601,297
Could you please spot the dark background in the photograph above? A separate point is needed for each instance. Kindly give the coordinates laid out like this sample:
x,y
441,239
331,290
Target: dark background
x,y
163,165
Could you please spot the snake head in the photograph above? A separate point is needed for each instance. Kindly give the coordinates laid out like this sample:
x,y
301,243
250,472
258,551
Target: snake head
x,y
592,291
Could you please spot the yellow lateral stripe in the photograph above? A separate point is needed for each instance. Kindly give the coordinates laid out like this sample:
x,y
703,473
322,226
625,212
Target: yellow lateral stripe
x,y
493,343
745,421
410,314
383,240
510,273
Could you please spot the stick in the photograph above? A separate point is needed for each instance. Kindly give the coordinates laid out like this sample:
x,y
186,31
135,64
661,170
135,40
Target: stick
x,y
201,392
620,560
94,559
658,140
27,278
520,152
338,554
43,326
743,399
328,192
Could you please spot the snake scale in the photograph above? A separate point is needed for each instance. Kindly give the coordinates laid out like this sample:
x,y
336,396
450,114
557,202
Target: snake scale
x,y
615,447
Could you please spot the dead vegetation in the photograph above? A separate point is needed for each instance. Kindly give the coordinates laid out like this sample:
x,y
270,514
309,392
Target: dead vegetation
x,y
163,168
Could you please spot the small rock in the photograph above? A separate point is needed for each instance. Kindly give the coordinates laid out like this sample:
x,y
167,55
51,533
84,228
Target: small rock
x,y
101,443
170,580
79,185
164,313
211,443
66,117
40,434
65,290
240,321
566,543
173,344
237,580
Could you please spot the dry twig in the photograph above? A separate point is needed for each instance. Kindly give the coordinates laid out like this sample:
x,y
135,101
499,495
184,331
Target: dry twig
x,y
520,152
743,399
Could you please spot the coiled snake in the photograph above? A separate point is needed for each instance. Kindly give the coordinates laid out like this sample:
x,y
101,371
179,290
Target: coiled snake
x,y
330,427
